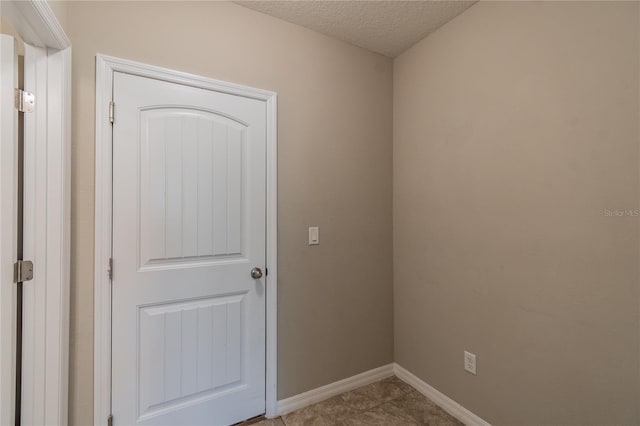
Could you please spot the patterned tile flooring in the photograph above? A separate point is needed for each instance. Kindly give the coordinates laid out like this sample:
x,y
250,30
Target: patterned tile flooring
x,y
389,402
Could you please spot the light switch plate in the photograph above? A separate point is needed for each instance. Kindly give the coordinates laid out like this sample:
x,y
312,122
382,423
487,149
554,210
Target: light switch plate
x,y
314,236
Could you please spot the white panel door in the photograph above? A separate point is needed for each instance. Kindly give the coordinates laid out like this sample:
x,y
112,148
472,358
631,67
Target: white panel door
x,y
188,322
8,224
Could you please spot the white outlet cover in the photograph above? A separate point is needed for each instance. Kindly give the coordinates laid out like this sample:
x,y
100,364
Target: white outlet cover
x,y
470,362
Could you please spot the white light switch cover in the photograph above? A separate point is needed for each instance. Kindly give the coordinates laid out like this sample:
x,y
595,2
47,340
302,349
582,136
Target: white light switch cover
x,y
314,236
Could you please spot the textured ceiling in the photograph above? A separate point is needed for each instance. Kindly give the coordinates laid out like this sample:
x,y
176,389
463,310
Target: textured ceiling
x,y
386,27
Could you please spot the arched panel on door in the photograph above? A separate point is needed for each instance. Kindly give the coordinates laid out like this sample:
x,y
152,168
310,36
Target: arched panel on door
x,y
191,184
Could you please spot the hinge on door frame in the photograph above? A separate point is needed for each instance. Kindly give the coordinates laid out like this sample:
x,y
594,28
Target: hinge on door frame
x,y
110,268
22,271
110,420
24,101
112,108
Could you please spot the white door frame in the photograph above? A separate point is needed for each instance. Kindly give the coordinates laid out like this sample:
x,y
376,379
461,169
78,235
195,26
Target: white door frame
x,y
8,227
47,164
106,66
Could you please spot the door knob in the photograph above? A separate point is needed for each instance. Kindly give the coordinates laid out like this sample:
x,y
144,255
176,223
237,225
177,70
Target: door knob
x,y
256,273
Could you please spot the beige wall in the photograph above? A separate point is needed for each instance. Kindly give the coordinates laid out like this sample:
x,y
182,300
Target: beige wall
x,y
6,28
335,131
515,127
60,8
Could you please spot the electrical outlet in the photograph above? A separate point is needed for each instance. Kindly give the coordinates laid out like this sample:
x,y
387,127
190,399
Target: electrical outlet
x,y
470,362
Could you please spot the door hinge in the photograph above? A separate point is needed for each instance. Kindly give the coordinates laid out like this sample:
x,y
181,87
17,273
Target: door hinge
x,y
112,108
25,101
110,420
22,271
110,268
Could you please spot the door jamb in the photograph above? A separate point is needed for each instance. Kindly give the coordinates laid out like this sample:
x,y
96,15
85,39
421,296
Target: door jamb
x,y
106,66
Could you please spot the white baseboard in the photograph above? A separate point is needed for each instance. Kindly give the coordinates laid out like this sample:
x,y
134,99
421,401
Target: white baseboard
x,y
314,396
447,404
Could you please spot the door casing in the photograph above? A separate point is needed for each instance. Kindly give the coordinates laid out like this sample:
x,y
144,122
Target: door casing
x,y
45,369
8,227
106,66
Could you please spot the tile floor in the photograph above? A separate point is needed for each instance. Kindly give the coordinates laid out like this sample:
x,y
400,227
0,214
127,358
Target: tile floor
x,y
389,402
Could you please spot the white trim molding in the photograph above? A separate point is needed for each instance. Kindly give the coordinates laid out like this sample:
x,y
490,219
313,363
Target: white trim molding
x,y
322,393
46,215
106,66
316,395
8,226
36,23
272,257
442,400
